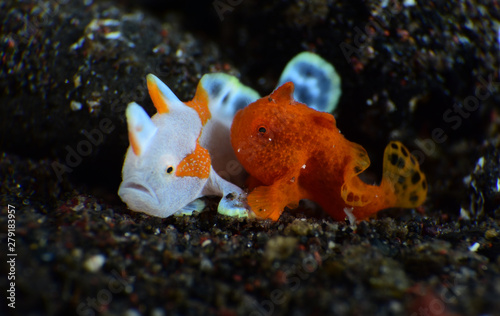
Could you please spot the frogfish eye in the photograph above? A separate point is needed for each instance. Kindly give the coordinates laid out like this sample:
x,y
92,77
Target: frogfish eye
x,y
262,129
170,169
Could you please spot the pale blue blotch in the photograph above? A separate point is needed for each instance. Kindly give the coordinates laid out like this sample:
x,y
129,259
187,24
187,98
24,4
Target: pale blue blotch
x,y
226,95
317,84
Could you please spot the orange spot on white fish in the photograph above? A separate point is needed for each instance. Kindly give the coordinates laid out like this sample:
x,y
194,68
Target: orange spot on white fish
x,y
196,164
134,143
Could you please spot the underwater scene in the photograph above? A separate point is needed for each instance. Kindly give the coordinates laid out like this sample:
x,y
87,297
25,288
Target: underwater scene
x,y
260,158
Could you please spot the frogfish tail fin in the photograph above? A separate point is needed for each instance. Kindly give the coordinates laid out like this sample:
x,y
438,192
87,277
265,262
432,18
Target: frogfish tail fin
x,y
402,177
353,190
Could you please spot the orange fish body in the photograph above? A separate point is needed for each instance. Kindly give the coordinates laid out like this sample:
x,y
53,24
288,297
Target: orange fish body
x,y
293,152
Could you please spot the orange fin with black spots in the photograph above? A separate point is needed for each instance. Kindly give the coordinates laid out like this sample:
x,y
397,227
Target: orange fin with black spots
x,y
353,190
402,176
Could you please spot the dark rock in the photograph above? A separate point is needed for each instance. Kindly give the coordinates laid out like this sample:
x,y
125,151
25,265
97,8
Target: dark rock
x,y
69,67
484,184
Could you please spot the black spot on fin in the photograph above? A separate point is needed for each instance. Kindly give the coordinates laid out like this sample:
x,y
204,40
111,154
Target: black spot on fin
x,y
352,191
402,176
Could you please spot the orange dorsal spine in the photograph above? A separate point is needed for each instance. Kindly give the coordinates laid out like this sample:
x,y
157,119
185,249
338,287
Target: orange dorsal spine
x,y
283,93
156,95
200,104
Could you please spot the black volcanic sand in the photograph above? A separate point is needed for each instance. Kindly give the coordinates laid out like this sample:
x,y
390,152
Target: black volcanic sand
x,y
425,74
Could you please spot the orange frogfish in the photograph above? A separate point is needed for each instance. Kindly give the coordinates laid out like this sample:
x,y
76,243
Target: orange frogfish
x,y
293,152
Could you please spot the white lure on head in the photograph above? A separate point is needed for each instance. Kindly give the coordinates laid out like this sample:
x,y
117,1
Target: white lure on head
x,y
183,152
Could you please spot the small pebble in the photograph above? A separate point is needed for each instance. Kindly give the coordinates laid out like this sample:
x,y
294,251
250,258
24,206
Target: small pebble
x,y
75,105
158,312
474,247
132,312
280,247
94,263
206,265
491,233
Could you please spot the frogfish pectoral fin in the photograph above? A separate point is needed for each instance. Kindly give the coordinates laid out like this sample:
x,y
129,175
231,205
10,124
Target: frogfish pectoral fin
x,y
264,204
270,201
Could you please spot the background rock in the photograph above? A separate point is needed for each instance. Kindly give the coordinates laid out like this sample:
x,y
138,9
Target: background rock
x,y
410,71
